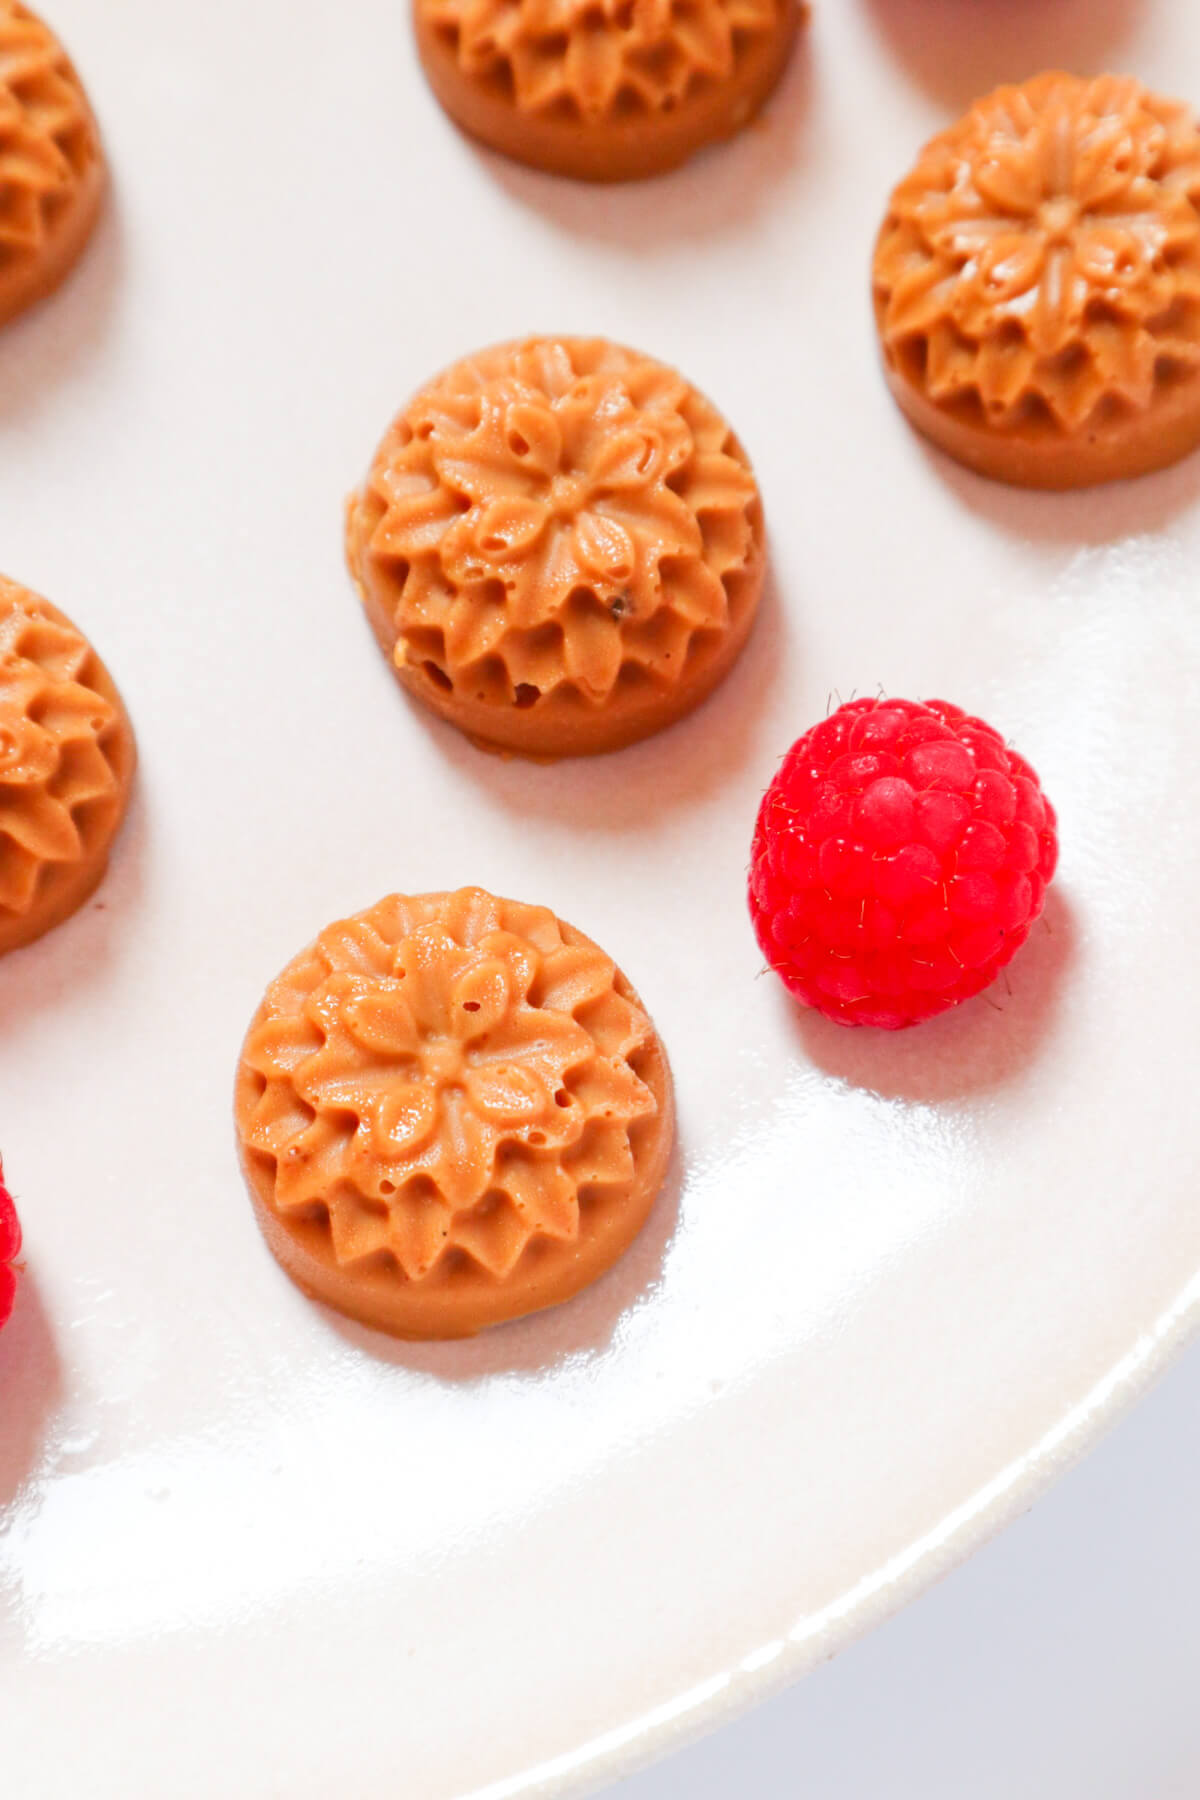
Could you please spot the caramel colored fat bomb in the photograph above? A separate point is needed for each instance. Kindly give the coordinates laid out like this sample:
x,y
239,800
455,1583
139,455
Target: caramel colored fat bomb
x,y
604,90
452,1110
66,765
1037,284
51,163
560,546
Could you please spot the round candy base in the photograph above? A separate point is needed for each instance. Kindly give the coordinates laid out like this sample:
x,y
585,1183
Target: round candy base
x,y
550,726
63,890
1115,448
440,1307
612,149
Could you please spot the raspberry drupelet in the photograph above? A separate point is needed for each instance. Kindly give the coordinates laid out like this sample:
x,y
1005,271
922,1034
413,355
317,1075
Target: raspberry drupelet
x,y
10,1249
900,860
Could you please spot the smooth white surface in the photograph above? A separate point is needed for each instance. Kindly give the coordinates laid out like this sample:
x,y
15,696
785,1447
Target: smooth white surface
x,y
1058,1664
894,1283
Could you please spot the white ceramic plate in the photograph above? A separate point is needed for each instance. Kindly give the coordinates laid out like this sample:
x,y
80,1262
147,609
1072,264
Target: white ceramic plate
x,y
894,1282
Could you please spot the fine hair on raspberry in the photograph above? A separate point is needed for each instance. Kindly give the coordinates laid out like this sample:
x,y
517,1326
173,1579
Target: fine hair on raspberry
x,y
900,860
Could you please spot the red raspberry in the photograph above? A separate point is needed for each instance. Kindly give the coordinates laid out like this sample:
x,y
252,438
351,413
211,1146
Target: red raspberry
x,y
10,1248
900,859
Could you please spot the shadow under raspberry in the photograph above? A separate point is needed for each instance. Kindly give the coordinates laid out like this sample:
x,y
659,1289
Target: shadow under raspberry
x,y
959,49
30,1387
585,1325
981,1045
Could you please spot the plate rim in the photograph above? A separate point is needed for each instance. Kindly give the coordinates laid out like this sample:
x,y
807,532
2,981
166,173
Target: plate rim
x,y
767,1671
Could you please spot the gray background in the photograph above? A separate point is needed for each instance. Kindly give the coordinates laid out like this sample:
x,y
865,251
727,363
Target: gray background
x,y
1060,1663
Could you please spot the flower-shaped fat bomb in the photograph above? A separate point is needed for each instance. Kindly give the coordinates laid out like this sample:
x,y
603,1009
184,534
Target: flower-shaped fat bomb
x,y
1037,283
452,1110
603,89
66,764
559,546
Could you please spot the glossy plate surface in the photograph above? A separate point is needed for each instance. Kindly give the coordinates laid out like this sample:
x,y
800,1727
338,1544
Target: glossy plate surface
x,y
894,1281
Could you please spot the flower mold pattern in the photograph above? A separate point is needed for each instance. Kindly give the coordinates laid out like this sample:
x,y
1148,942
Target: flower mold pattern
x,y
66,764
452,1110
560,545
51,163
605,90
1037,283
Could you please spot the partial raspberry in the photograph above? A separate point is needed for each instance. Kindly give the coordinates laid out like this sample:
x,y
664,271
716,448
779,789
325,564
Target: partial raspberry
x,y
900,859
10,1249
